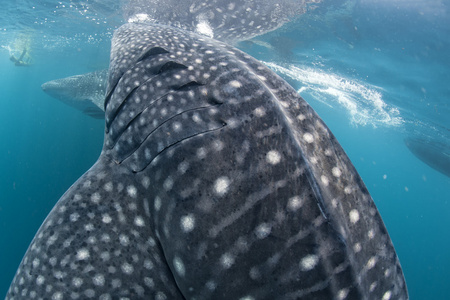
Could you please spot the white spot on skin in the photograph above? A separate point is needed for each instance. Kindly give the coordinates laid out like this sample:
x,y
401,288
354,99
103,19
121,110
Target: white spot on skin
x,y
187,223
308,137
157,203
235,84
168,184
57,296
309,262
301,117
124,240
357,247
371,263
348,190
77,282
227,260
342,294
260,112
218,145
336,172
160,296
387,295
324,180
294,203
373,286
74,217
183,167
139,221
98,280
179,266
53,261
211,285
106,219
263,230
146,182
96,198
108,186
127,268
273,157
334,203
201,153
40,280
105,256
221,185
131,191
83,254
354,216
148,264
36,262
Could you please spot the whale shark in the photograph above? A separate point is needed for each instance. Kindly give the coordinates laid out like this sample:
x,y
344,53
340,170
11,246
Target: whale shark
x,y
223,20
85,92
433,152
216,181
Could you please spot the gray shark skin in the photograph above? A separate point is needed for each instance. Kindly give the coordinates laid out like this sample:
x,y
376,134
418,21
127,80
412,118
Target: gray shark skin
x,y
85,92
216,181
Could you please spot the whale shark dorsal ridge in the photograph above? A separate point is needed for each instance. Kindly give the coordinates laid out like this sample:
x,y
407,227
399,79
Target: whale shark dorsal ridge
x,y
216,181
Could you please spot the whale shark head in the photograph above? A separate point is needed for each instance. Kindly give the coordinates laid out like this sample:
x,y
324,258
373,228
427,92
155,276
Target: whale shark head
x,y
216,181
85,92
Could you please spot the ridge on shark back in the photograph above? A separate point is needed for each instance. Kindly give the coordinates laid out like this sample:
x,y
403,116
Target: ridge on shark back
x,y
216,181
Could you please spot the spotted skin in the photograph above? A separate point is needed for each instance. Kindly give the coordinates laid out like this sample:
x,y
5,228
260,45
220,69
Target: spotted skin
x,y
216,181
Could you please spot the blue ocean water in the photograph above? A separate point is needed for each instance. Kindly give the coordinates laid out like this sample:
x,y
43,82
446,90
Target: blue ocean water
x,y
377,72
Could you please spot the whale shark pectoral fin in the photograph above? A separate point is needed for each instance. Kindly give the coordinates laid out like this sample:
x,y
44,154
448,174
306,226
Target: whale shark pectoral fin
x,y
100,227
94,112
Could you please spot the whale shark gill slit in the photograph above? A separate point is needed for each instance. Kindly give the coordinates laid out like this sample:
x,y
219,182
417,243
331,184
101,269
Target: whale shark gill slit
x,y
152,51
189,84
138,107
171,65
173,130
153,74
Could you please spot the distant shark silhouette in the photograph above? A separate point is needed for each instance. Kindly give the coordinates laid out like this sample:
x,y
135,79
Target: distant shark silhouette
x,y
432,152
216,181
84,92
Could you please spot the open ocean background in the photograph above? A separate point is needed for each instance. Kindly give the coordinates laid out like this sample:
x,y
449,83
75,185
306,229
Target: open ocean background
x,y
376,71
